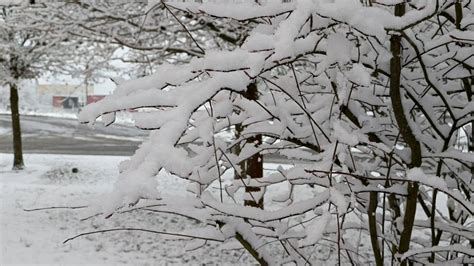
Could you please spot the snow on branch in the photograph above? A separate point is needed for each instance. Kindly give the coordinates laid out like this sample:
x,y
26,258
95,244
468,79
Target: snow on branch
x,y
362,113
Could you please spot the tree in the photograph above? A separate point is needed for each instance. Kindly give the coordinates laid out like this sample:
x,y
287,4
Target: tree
x,y
34,42
154,33
376,96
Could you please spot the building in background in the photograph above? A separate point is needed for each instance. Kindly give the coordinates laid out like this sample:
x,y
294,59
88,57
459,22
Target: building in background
x,y
66,96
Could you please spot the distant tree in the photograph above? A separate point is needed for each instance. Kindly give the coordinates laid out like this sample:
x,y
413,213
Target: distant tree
x,y
34,42
375,97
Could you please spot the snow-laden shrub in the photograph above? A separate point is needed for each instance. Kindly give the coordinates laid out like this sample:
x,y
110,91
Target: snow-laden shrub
x,y
370,103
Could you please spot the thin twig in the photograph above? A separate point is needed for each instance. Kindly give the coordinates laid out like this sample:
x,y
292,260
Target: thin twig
x,y
141,230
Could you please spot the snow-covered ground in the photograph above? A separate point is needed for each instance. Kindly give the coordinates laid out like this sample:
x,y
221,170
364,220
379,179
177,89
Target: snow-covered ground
x,y
36,237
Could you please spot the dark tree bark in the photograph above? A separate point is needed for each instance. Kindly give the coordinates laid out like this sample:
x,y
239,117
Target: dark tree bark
x,y
254,164
16,129
373,201
407,135
252,167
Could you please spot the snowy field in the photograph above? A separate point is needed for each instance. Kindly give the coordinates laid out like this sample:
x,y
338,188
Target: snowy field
x,y
36,237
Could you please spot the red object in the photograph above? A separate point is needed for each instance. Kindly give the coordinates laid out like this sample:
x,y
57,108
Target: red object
x,y
94,98
58,101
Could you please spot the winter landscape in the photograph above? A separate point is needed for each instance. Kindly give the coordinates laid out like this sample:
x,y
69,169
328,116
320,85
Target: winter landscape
x,y
237,132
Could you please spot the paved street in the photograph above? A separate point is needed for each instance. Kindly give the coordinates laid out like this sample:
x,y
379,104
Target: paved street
x,y
67,136
52,135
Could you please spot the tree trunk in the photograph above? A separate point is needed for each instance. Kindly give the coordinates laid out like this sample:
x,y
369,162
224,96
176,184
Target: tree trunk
x,y
407,135
16,129
252,167
373,201
254,164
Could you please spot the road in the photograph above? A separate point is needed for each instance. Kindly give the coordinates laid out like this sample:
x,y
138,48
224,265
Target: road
x,y
53,135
